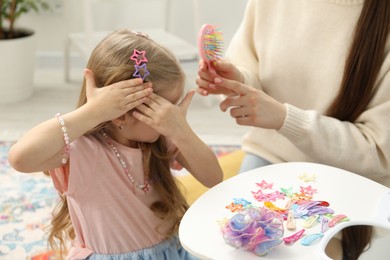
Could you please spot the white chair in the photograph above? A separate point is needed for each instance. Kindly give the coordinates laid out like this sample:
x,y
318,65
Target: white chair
x,y
123,15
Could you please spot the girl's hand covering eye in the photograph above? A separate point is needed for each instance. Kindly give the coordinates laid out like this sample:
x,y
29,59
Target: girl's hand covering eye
x,y
116,99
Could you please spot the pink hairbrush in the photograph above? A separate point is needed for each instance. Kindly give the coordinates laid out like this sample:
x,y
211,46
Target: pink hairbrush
x,y
210,43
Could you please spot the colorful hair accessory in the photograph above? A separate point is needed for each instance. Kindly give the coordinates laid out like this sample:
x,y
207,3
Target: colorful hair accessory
x,y
310,221
265,185
288,192
308,240
309,190
273,196
234,207
273,207
145,35
139,57
307,177
324,224
301,196
308,205
298,212
290,221
242,201
293,238
255,229
290,203
319,210
336,219
139,69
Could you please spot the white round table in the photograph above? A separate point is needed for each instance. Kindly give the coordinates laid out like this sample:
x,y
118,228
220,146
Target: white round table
x,y
347,193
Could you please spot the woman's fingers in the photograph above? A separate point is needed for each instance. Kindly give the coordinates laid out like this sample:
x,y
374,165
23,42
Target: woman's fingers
x,y
232,85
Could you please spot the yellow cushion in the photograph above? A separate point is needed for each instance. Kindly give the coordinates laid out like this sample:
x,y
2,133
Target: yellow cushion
x,y
230,165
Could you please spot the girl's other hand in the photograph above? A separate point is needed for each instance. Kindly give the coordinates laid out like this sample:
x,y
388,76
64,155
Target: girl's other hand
x,y
116,99
205,79
163,116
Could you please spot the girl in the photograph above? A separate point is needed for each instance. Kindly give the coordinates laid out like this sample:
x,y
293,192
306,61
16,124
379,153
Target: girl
x,y
110,158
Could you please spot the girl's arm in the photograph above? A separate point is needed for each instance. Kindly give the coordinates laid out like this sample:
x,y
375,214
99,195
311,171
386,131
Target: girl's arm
x,y
170,120
198,159
42,147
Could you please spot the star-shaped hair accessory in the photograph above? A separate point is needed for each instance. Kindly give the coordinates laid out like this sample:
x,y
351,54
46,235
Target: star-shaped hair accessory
x,y
234,207
241,201
287,191
307,177
138,57
141,71
265,185
309,190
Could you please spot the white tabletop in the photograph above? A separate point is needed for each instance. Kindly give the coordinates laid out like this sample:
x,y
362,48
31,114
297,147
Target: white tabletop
x,y
347,193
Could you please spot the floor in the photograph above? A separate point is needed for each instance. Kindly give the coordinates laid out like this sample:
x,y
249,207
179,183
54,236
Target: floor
x,y
52,94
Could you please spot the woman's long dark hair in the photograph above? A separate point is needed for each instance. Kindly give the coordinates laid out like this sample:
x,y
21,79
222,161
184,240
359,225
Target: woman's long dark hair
x,y
355,240
361,70
364,61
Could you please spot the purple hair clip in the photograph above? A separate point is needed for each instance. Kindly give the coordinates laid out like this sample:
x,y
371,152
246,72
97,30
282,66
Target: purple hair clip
x,y
141,71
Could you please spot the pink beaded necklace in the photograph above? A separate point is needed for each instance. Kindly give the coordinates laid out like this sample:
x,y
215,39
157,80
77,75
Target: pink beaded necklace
x,y
145,187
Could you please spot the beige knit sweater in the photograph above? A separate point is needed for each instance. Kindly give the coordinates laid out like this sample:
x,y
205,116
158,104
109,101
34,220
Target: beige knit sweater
x,y
295,51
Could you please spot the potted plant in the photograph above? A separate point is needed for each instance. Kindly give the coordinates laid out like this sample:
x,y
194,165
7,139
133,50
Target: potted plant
x,y
17,50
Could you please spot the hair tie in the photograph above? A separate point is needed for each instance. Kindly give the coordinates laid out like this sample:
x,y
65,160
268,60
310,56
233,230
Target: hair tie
x,y
254,229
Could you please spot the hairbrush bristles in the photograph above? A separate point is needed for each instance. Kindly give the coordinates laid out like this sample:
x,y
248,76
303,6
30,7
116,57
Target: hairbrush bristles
x,y
210,44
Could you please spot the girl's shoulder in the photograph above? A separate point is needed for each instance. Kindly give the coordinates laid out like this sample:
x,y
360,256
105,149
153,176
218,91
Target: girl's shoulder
x,y
91,141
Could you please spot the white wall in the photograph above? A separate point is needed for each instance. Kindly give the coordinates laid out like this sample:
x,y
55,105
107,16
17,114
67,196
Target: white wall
x,y
51,27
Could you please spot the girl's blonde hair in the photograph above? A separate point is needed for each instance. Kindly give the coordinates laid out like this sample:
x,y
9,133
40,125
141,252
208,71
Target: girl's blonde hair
x,y
110,62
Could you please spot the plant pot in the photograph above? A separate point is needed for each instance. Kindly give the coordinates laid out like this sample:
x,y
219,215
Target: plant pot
x,y
17,62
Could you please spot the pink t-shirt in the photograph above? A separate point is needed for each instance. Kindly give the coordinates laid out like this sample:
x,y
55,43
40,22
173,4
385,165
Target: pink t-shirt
x,y
109,215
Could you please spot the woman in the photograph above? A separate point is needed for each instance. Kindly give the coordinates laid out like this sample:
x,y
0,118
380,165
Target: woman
x,y
313,79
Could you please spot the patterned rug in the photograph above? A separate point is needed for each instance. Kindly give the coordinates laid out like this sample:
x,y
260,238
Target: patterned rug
x,y
26,203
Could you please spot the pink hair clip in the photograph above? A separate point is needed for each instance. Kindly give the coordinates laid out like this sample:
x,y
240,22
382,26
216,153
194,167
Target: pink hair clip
x,y
139,57
145,35
336,219
293,238
265,185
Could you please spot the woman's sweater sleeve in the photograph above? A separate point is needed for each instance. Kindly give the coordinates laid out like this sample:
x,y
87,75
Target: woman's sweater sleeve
x,y
241,50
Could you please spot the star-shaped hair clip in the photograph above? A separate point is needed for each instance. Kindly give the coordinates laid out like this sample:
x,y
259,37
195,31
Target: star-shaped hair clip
x,y
141,71
264,185
139,57
307,177
234,207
